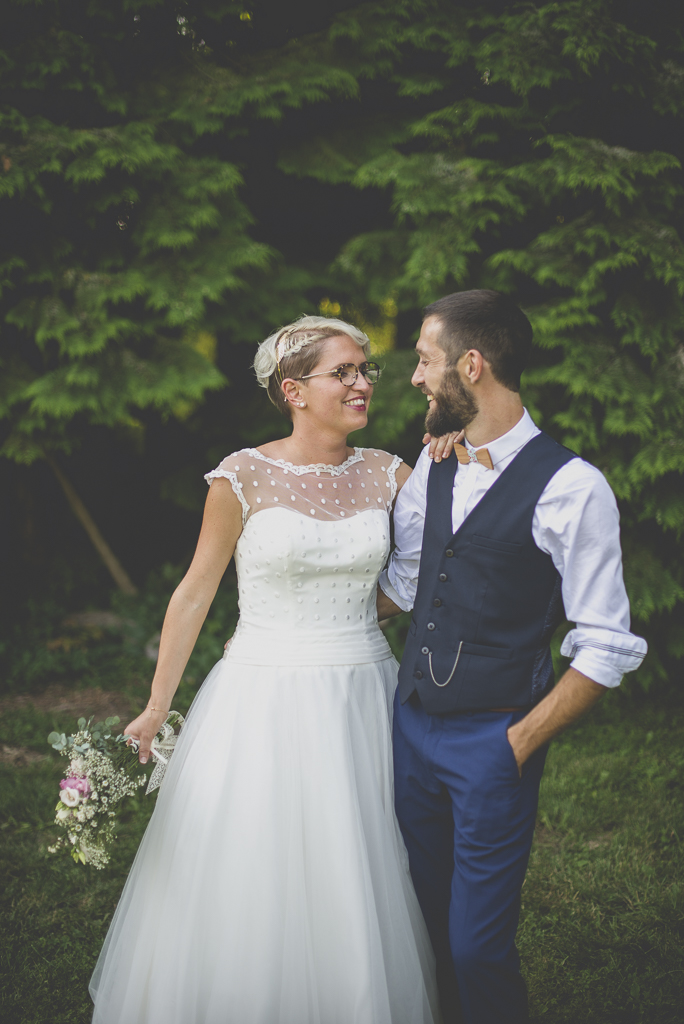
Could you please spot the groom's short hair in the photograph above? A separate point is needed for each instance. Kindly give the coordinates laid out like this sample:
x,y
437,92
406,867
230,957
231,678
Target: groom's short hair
x,y
490,322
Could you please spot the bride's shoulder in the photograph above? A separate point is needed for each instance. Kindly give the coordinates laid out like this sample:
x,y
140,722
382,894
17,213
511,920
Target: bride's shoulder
x,y
232,463
391,467
383,459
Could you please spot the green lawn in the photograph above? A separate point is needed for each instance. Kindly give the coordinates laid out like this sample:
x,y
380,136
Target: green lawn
x,y
601,933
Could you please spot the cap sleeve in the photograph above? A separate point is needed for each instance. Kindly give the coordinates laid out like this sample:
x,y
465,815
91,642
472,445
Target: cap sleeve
x,y
392,475
387,466
230,469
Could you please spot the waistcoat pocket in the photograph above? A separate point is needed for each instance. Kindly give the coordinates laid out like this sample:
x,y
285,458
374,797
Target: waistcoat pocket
x,y
504,546
492,677
485,651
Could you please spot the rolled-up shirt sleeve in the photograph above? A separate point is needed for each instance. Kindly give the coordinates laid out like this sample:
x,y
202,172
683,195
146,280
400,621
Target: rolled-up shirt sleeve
x,y
576,522
399,581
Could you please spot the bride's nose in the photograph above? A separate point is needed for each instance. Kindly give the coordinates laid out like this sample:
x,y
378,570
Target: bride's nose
x,y
361,384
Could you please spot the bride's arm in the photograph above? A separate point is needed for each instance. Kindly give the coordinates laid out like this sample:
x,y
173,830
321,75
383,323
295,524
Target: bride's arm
x,y
385,605
221,527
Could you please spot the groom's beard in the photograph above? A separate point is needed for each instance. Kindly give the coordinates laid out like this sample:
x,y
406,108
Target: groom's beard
x,y
453,408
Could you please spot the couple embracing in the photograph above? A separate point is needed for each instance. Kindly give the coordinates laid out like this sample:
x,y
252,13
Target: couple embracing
x,y
336,843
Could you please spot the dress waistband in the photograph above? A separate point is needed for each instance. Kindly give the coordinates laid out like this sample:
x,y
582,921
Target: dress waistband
x,y
263,646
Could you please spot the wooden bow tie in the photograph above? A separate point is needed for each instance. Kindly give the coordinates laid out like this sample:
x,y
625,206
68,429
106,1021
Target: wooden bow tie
x,y
466,455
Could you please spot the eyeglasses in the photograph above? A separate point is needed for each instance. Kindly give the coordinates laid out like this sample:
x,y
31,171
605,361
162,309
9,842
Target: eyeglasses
x,y
348,373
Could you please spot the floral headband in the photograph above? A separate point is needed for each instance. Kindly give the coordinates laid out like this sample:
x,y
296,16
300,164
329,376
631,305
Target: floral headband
x,y
288,343
285,343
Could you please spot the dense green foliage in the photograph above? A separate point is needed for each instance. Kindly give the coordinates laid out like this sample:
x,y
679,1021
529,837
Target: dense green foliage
x,y
47,647
600,936
176,179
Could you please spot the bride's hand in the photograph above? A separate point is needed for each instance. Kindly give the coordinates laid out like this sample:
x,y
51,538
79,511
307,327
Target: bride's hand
x,y
143,729
442,447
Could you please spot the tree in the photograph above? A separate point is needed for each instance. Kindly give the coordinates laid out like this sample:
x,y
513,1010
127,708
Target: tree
x,y
179,178
123,232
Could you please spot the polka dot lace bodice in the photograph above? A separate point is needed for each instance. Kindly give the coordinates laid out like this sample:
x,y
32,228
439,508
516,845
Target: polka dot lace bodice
x,y
314,541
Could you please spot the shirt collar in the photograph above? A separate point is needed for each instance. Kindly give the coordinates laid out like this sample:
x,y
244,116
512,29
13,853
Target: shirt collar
x,y
512,441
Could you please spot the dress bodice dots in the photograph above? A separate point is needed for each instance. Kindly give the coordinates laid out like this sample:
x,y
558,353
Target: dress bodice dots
x,y
314,542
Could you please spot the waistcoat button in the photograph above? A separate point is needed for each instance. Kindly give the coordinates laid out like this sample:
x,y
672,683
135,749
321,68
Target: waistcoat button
x,y
437,603
431,625
425,650
442,577
419,674
449,553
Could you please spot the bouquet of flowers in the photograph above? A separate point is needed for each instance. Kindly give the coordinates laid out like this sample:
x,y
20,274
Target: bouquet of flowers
x,y
101,774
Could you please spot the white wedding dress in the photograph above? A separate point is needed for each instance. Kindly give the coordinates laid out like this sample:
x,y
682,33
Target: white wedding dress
x,y
272,884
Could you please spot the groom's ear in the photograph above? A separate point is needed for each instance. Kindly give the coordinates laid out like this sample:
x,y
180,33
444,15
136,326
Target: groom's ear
x,y
472,365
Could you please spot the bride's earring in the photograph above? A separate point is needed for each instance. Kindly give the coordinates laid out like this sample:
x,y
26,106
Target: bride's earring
x,y
293,397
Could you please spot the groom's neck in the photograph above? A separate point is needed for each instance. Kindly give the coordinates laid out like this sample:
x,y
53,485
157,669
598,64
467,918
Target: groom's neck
x,y
499,411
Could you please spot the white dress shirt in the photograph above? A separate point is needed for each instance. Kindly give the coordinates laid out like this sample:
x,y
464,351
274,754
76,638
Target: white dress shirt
x,y
576,522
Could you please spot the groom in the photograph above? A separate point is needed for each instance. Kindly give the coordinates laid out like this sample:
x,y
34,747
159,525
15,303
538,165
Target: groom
x,y
493,549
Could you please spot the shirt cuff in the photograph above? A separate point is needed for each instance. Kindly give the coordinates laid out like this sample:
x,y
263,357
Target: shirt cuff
x,y
389,591
603,655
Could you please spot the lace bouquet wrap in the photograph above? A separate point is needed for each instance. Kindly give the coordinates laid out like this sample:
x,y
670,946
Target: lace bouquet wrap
x,y
101,774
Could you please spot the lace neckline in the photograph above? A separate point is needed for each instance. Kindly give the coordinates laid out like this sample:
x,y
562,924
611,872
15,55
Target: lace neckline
x,y
317,468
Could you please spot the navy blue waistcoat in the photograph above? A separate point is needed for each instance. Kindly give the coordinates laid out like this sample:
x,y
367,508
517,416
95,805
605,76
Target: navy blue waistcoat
x,y
488,599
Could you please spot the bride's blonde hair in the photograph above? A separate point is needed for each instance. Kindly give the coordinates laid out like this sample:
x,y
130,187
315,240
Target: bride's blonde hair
x,y
293,351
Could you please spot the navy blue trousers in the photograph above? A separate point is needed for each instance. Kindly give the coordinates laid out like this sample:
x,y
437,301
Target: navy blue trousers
x,y
468,820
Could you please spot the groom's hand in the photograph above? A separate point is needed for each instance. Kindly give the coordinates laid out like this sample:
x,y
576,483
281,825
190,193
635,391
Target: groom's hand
x,y
442,447
570,698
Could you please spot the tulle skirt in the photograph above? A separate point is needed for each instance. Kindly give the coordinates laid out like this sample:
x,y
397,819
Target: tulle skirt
x,y
272,884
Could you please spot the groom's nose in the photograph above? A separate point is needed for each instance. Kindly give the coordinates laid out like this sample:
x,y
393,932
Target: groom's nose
x,y
418,378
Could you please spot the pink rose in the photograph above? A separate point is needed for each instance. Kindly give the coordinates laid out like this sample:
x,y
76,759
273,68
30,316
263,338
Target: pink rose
x,y
81,786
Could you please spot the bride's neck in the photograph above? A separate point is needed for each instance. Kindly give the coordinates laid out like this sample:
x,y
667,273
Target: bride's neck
x,y
304,448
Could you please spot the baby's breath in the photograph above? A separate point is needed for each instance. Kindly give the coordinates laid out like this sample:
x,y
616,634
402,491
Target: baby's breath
x,y
100,763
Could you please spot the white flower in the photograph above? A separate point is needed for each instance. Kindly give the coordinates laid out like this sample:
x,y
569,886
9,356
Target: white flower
x,y
70,797
63,813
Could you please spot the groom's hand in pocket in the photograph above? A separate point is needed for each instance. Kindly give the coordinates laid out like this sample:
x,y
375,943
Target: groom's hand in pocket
x,y
442,447
572,696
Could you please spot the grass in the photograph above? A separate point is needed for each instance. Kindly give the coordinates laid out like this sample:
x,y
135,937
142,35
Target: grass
x,y
601,929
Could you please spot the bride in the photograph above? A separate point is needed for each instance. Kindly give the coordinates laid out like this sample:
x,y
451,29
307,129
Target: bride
x,y
272,884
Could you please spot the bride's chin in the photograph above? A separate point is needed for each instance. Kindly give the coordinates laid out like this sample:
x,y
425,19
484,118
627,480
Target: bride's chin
x,y
359,419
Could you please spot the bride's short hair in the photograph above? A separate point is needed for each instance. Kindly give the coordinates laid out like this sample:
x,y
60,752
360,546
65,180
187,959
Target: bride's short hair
x,y
293,351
